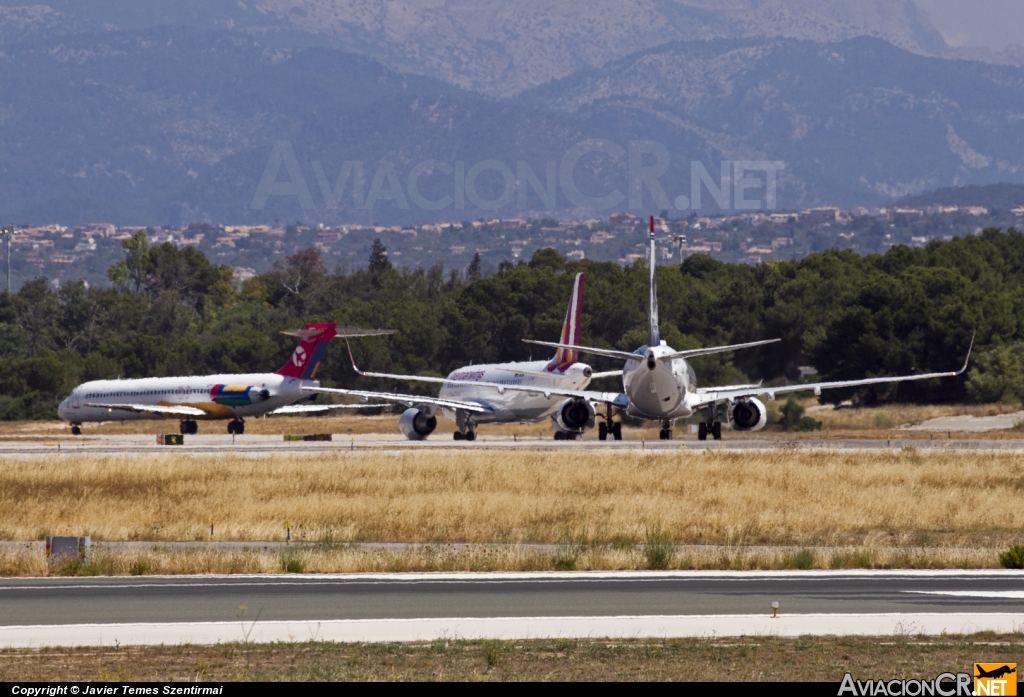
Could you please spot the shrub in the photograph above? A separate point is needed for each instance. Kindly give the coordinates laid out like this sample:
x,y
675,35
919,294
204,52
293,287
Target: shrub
x,y
292,563
658,548
1012,558
806,424
803,560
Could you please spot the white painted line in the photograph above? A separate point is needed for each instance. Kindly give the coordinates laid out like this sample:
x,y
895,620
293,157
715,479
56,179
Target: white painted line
x,y
526,576
975,594
429,629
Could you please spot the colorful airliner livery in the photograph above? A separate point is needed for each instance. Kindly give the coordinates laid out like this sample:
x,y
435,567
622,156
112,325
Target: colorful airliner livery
x,y
503,392
660,385
213,397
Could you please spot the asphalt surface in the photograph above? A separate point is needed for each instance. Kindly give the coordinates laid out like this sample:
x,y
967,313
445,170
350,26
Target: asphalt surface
x,y
69,601
259,444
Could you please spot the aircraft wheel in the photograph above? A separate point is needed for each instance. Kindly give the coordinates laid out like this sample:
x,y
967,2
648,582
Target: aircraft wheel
x,y
240,428
76,431
617,430
702,431
470,435
559,435
716,430
457,435
602,431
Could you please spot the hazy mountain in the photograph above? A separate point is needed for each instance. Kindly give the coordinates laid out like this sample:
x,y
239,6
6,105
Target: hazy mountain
x,y
502,47
146,112
857,122
496,47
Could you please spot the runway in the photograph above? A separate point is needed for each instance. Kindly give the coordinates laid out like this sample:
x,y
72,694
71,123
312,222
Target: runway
x,y
262,444
405,607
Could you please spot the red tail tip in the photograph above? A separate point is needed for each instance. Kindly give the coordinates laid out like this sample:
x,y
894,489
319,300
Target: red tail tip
x,y
652,224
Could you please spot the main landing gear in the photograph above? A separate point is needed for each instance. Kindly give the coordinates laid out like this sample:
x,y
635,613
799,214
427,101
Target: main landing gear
x,y
568,435
615,431
236,427
76,430
469,435
190,428
714,428
608,426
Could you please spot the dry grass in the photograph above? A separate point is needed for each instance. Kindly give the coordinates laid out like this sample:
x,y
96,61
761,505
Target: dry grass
x,y
780,496
759,658
569,557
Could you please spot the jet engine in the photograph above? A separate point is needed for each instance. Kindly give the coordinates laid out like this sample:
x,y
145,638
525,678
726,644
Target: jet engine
x,y
575,415
417,425
748,415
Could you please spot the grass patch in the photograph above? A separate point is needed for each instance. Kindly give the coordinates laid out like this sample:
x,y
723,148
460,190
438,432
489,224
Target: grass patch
x,y
658,548
755,659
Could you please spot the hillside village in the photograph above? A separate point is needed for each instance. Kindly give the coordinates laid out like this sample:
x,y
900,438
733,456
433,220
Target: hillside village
x,y
65,253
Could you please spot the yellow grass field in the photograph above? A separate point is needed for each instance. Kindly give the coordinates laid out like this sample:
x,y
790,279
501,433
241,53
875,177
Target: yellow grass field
x,y
778,496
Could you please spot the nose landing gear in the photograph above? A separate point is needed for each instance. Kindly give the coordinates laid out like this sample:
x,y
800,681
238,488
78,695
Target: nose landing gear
x,y
76,430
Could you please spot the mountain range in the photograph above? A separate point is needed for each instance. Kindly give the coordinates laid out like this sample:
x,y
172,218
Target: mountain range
x,y
168,113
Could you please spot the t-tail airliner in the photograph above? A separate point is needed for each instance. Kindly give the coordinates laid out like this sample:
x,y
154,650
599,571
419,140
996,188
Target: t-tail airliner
x,y
213,397
527,391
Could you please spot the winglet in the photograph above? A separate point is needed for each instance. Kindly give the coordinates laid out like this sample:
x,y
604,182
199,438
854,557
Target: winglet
x,y
967,360
352,358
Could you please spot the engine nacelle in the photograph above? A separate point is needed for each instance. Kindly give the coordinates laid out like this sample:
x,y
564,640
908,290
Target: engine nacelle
x,y
748,415
575,415
416,425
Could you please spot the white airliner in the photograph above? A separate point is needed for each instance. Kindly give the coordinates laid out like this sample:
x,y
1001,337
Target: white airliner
x,y
502,393
659,384
212,397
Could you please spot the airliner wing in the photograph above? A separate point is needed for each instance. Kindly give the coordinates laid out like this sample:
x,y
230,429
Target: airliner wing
x,y
150,409
318,408
407,399
712,395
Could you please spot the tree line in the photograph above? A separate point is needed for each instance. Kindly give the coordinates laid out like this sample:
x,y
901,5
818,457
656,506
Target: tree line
x,y
171,311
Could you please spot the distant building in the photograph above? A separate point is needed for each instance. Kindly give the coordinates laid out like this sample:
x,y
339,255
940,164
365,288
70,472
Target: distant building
x,y
575,255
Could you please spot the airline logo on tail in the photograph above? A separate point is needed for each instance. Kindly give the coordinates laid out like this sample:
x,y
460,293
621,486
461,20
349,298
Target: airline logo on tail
x,y
310,352
570,330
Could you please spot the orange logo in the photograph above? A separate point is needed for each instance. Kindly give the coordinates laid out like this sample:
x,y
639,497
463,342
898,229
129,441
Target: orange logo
x,y
995,679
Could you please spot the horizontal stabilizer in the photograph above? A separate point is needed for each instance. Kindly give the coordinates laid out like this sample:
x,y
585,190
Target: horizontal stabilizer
x,y
693,353
607,374
607,353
